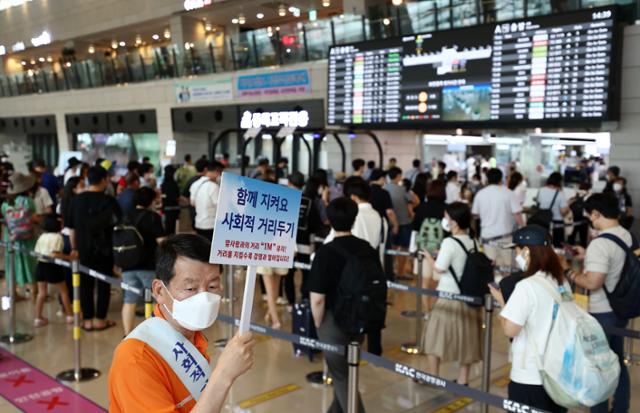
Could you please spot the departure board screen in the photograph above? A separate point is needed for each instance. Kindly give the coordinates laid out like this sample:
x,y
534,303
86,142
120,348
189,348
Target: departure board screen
x,y
559,69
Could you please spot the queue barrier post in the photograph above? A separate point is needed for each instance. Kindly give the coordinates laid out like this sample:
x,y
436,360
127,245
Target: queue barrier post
x,y
148,303
77,374
353,360
9,302
486,357
414,348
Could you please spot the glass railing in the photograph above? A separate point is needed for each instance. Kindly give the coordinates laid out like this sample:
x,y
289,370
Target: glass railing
x,y
282,45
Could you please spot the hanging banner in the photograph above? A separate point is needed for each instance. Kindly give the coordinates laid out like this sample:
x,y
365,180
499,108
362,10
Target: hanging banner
x,y
256,223
203,90
275,84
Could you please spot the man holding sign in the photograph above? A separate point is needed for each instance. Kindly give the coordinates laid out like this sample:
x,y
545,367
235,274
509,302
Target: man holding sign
x,y
163,365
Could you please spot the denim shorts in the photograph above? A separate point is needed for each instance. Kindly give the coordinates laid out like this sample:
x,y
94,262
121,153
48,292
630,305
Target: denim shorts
x,y
403,237
140,279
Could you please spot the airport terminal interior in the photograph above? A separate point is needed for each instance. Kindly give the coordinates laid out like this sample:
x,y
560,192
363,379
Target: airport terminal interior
x,y
256,129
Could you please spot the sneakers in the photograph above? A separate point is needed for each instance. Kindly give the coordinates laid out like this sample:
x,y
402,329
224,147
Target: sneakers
x,y
40,322
282,301
69,319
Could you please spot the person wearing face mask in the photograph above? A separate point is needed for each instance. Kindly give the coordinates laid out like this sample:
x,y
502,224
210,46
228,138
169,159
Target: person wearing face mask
x,y
204,197
527,315
624,202
453,330
603,265
163,365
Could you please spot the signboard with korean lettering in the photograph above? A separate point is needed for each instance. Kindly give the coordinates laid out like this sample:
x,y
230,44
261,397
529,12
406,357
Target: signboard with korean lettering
x,y
256,225
291,82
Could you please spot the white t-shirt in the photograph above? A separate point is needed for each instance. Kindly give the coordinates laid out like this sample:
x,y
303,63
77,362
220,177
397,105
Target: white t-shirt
x,y
545,196
204,197
42,200
452,255
453,192
606,256
48,243
530,306
495,205
521,193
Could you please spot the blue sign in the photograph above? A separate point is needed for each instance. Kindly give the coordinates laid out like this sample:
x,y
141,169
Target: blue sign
x,y
280,83
256,223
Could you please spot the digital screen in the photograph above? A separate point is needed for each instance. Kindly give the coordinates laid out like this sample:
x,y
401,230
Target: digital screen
x,y
558,69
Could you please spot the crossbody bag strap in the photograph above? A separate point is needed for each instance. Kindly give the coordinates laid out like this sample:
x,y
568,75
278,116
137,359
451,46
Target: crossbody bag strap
x,y
553,200
627,250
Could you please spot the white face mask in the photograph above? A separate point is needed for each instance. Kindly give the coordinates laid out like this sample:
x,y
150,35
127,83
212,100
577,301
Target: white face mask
x,y
197,312
445,225
617,187
521,262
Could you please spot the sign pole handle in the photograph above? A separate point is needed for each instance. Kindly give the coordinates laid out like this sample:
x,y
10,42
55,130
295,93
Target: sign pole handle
x,y
247,300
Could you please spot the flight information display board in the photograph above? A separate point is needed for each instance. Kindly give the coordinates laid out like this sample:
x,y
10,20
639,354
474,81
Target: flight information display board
x,y
558,69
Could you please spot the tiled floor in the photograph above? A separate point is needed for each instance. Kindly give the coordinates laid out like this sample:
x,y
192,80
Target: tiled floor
x,y
275,368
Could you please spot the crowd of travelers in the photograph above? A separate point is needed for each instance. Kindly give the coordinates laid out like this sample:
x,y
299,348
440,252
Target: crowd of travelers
x,y
561,241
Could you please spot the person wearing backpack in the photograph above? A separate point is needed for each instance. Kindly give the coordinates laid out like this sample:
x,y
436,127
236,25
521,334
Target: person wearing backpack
x,y
527,316
20,219
454,328
428,232
553,207
92,217
604,269
146,224
342,272
560,356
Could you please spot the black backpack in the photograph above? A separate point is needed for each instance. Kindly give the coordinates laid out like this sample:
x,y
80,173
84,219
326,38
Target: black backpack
x,y
361,302
543,216
477,273
128,244
625,297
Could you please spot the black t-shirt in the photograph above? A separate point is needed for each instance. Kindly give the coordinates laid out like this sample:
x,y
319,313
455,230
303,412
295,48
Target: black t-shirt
x,y
380,200
170,193
309,221
149,225
327,266
92,216
429,209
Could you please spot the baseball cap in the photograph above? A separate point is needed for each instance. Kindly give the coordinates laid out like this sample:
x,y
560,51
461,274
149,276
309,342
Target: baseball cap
x,y
531,235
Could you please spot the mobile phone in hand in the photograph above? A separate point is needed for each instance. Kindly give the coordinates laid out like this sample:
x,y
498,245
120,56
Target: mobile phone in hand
x,y
494,285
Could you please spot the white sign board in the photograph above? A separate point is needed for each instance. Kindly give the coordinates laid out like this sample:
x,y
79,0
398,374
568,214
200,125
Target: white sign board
x,y
203,90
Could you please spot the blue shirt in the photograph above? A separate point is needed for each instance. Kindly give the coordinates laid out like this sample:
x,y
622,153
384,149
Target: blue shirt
x,y
50,183
125,200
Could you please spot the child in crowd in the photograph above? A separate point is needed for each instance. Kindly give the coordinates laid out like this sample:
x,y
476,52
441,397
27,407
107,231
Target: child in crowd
x,y
51,243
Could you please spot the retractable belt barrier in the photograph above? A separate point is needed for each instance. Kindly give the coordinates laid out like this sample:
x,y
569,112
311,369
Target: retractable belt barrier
x,y
292,338
436,293
448,385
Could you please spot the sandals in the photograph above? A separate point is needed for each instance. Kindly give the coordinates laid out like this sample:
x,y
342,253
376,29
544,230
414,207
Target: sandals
x,y
107,325
40,322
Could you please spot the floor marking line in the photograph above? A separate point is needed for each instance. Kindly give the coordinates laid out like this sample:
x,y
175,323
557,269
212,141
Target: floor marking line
x,y
269,395
455,405
31,390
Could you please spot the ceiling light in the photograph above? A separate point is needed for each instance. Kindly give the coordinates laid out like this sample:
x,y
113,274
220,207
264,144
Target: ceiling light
x,y
68,64
282,10
326,3
33,62
49,59
396,2
167,33
156,37
234,21
92,49
23,63
241,19
386,21
122,44
114,44
138,39
260,16
187,45
207,27
459,132
41,60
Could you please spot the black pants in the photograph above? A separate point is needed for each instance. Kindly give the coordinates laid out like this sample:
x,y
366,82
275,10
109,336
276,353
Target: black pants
x,y
534,396
289,280
170,220
92,307
337,364
579,231
558,235
207,233
374,342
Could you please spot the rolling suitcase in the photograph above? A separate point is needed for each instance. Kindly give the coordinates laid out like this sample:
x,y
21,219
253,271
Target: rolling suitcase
x,y
302,325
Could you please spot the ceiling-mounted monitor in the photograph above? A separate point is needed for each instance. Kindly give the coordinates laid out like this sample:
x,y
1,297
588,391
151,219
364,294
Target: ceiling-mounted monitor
x,y
557,70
